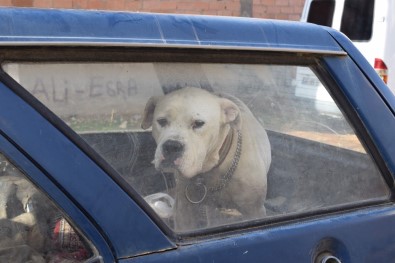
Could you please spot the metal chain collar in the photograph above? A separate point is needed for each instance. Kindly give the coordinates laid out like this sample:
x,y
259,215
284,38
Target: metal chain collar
x,y
223,181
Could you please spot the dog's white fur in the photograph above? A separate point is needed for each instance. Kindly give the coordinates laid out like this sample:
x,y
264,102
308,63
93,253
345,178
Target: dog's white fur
x,y
200,121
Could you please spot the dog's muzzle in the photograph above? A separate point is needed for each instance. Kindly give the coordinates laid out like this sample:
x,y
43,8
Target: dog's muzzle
x,y
172,150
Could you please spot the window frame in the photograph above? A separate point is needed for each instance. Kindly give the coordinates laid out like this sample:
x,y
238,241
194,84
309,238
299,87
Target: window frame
x,y
85,54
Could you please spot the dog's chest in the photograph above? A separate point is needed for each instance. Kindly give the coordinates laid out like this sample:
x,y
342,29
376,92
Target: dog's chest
x,y
208,189
198,205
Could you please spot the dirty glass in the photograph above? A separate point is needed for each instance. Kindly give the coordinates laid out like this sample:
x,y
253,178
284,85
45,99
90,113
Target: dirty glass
x,y
211,144
32,228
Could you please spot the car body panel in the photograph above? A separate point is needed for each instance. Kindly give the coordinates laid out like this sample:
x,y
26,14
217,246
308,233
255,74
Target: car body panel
x,y
40,27
365,102
366,68
297,241
114,219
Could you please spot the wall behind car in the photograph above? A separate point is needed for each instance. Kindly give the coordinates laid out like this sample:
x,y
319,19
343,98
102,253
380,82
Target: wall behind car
x,y
274,9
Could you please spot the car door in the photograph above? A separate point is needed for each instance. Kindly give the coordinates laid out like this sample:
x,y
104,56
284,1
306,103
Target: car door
x,y
76,116
88,200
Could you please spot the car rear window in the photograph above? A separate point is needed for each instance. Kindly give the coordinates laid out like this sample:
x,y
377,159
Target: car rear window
x,y
211,144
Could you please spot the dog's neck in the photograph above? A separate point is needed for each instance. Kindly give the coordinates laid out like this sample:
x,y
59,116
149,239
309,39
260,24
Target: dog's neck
x,y
215,180
230,152
225,148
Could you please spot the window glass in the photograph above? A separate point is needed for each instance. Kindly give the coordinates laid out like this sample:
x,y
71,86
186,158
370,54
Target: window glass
x,y
357,19
32,228
209,144
321,12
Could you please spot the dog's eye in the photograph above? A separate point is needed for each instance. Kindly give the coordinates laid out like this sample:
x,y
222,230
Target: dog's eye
x,y
197,124
162,122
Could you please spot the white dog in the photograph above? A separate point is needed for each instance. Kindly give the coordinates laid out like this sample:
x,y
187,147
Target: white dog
x,y
220,154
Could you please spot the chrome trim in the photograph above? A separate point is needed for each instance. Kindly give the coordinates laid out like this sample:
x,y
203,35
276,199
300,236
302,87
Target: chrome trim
x,y
231,46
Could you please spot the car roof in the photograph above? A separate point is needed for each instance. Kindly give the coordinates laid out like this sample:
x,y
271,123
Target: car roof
x,y
28,26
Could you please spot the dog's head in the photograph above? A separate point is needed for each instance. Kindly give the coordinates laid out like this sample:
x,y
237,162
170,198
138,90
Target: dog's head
x,y
189,126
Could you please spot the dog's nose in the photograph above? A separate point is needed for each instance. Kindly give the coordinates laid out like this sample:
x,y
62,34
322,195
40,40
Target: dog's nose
x,y
172,148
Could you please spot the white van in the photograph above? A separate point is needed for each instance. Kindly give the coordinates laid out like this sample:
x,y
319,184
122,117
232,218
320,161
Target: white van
x,y
371,27
370,24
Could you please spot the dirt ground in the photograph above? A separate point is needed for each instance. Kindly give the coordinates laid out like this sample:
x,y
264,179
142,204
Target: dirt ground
x,y
348,141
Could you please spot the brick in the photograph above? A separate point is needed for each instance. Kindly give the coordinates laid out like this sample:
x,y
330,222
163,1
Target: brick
x,y
298,2
42,3
62,4
298,9
237,13
133,5
259,10
155,10
295,17
22,3
224,13
192,12
270,16
5,3
282,2
268,2
210,12
199,5
80,4
217,5
287,10
115,5
234,6
183,5
273,9
167,5
97,4
150,5
281,16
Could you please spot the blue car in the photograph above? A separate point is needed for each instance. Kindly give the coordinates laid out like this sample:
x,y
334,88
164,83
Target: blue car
x,y
136,137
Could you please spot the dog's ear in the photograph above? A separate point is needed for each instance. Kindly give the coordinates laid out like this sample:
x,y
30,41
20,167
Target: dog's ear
x,y
230,113
149,112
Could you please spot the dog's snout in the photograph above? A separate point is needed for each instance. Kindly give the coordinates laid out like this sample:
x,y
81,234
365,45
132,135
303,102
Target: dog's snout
x,y
172,149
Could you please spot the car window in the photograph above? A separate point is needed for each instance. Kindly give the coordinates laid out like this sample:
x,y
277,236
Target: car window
x,y
213,144
357,19
32,228
321,12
